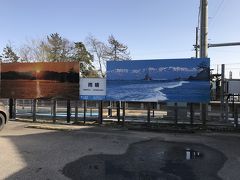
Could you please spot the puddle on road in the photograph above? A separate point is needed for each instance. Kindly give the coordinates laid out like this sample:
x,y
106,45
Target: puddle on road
x,y
151,160
192,154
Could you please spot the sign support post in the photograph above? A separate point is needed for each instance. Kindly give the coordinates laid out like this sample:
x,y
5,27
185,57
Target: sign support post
x,y
34,110
68,111
54,110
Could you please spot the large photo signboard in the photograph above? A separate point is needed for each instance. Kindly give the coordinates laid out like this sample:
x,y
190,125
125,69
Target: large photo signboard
x,y
171,80
40,80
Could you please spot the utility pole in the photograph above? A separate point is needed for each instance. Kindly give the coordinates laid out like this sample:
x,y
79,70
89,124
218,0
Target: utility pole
x,y
222,92
196,46
204,53
204,29
204,47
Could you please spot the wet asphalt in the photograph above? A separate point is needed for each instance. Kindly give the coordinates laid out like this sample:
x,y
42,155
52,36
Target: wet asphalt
x,y
152,160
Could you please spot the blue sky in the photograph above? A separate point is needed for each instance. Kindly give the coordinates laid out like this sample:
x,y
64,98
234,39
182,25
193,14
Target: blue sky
x,y
152,29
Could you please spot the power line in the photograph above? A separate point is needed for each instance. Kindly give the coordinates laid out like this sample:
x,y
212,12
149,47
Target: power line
x,y
217,11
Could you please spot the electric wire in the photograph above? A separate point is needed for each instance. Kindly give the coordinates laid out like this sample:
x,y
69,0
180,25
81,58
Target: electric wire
x,y
216,12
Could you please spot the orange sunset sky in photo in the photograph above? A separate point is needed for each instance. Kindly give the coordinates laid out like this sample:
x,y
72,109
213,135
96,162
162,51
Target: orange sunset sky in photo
x,y
40,66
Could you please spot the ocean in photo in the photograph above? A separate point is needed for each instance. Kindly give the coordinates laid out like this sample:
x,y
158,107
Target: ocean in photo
x,y
157,90
31,89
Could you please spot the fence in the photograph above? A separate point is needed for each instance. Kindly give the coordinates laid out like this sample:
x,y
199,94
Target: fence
x,y
62,111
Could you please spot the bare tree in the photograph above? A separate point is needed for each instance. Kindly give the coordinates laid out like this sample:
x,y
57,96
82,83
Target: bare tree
x,y
98,49
24,53
33,51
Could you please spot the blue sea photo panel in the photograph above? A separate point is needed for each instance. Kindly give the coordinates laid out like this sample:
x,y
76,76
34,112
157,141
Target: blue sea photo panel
x,y
170,80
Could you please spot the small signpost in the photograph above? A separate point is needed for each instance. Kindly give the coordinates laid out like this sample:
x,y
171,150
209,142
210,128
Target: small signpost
x,y
92,88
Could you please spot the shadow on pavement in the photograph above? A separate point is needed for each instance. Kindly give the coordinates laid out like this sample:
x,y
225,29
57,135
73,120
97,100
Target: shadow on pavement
x,y
100,153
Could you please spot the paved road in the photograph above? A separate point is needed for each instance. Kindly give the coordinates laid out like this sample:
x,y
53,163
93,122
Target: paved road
x,y
28,153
